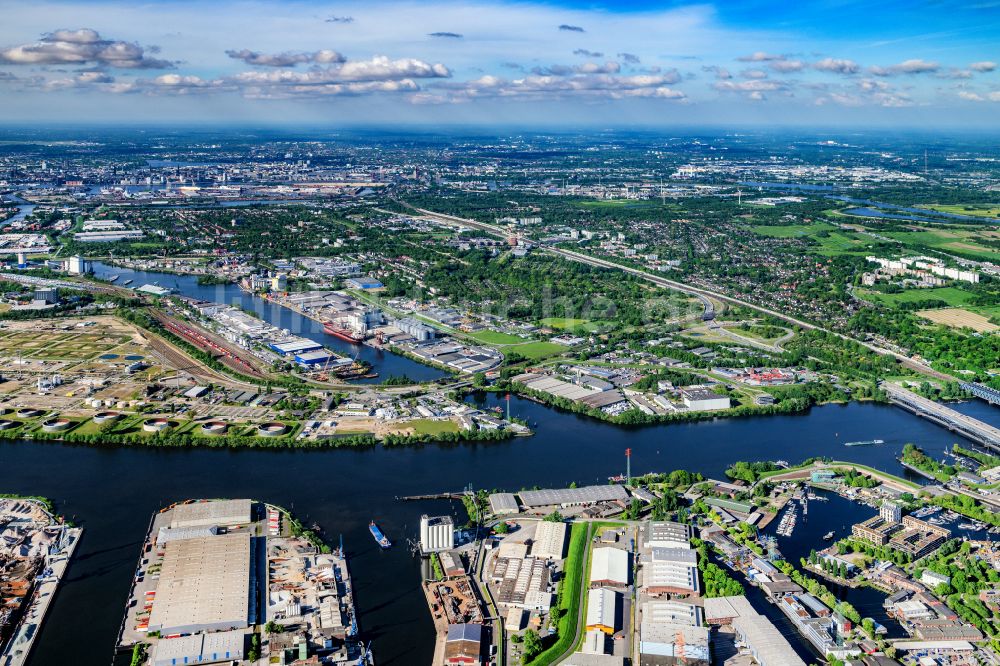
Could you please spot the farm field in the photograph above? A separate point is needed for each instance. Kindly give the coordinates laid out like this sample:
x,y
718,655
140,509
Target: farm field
x,y
495,338
959,241
792,230
841,242
959,318
568,323
974,210
951,295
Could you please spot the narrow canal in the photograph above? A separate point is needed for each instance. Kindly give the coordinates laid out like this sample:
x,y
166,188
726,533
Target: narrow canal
x,y
385,363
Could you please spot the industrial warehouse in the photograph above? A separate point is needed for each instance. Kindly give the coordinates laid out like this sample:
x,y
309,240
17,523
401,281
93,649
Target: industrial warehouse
x,y
211,572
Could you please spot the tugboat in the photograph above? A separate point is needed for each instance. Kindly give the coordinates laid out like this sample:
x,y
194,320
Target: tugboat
x,y
381,539
339,332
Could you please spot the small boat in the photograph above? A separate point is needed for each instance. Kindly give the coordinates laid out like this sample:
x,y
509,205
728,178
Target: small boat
x,y
381,539
114,278
828,536
867,442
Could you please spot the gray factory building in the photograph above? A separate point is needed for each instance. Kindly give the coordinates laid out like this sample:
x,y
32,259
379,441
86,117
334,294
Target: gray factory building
x,y
204,585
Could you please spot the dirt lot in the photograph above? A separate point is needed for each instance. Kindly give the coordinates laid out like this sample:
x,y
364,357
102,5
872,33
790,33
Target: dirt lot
x,y
959,318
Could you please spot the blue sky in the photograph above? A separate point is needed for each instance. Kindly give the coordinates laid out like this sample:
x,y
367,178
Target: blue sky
x,y
828,62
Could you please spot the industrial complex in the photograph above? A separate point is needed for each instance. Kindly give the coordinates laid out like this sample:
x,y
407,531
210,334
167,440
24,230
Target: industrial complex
x,y
212,574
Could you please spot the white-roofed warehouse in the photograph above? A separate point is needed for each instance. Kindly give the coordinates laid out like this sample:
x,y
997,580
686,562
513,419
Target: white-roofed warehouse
x,y
609,566
550,540
602,610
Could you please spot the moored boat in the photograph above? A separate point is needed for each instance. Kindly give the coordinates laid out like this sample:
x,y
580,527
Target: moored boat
x,y
339,332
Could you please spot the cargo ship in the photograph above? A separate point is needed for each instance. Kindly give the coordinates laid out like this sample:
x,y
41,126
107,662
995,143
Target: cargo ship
x,y
339,332
868,442
381,539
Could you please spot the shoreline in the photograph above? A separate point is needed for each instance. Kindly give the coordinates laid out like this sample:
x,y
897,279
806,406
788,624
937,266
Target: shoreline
x,y
42,598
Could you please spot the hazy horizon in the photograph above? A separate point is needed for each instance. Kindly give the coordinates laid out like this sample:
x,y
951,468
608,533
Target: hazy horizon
x,y
502,63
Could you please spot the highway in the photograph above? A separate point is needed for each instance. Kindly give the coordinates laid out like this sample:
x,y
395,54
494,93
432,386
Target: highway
x,y
973,429
704,295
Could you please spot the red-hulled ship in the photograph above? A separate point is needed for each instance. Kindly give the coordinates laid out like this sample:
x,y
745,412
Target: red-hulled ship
x,y
339,332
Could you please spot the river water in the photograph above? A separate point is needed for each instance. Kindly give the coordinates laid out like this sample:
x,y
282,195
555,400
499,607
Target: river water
x,y
111,493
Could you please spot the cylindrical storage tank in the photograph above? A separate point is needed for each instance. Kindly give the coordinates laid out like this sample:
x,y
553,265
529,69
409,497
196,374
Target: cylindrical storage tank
x,y
28,412
7,424
106,417
272,429
214,428
156,425
57,424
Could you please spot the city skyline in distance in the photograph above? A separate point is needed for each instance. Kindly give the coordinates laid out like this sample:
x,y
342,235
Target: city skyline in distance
x,y
502,63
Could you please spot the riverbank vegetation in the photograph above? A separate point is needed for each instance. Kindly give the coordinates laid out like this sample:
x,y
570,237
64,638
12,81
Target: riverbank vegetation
x,y
912,455
567,606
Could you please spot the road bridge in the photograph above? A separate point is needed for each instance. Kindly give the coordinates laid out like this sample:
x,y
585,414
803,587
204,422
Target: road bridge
x,y
966,426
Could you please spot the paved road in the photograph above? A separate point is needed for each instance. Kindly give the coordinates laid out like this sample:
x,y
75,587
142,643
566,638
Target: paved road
x,y
698,292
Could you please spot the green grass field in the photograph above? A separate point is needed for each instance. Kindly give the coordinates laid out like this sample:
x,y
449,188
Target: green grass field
x,y
840,242
496,338
972,210
833,242
951,295
624,203
959,241
536,350
568,323
432,426
792,230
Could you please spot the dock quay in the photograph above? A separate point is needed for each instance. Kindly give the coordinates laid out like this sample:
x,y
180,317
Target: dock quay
x,y
916,470
966,426
57,550
434,496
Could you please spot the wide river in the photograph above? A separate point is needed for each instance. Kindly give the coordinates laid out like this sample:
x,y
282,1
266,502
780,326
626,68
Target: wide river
x,y
111,493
